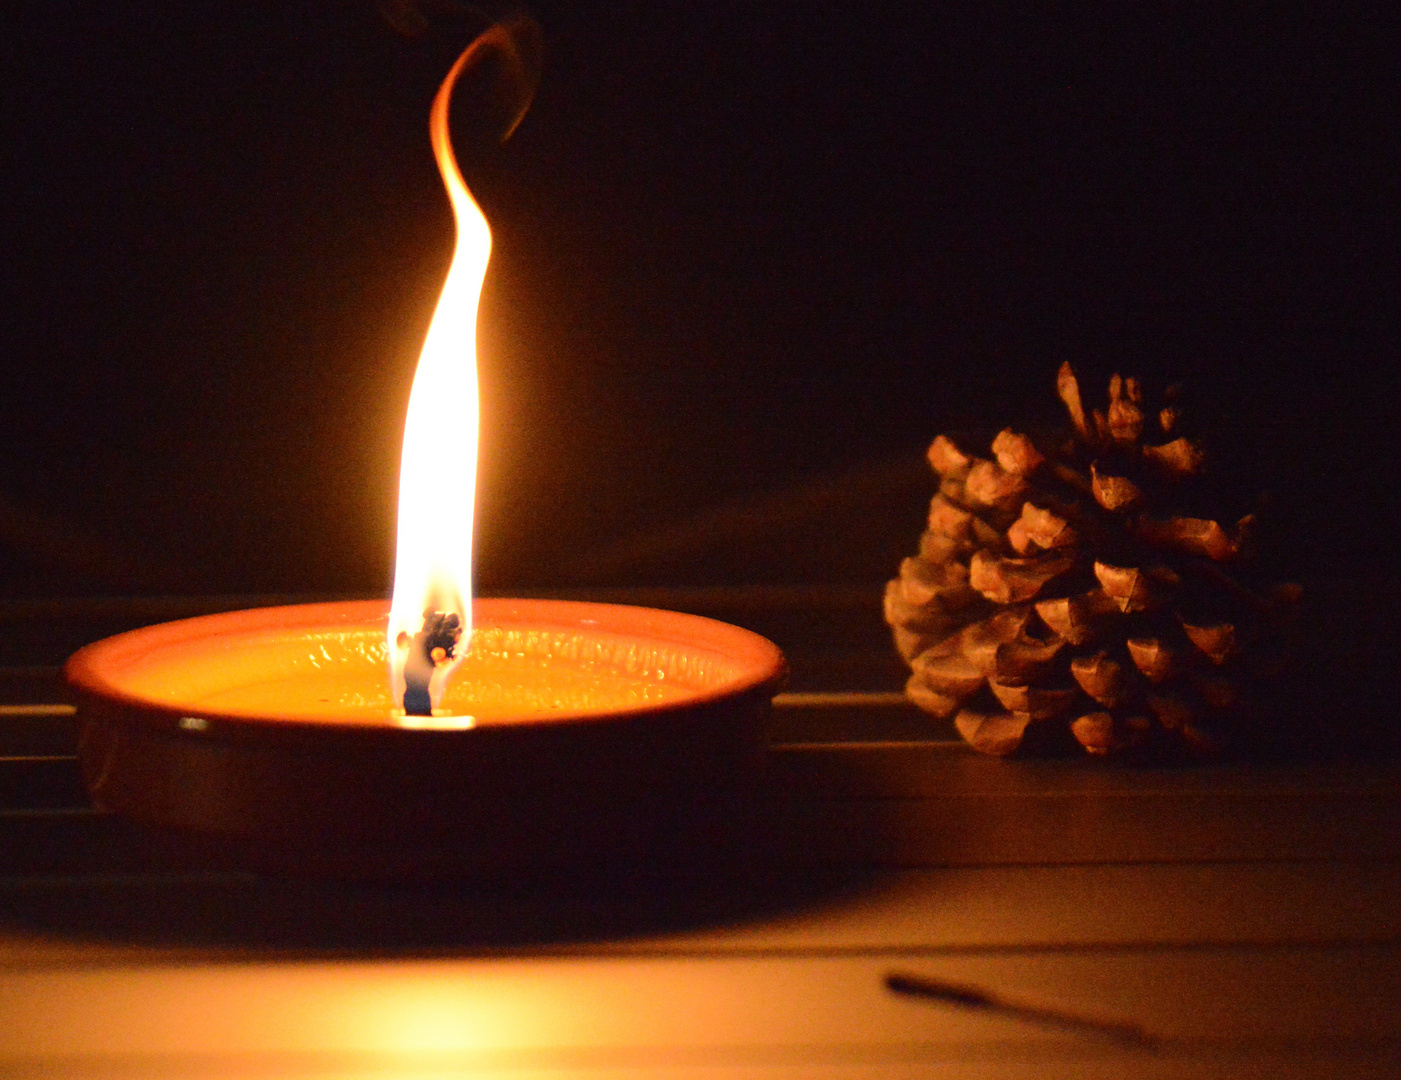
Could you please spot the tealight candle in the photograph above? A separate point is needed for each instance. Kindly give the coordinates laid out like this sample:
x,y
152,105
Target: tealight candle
x,y
275,725
370,736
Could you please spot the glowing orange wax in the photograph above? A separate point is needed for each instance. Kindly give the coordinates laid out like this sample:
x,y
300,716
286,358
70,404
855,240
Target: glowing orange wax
x,y
529,661
511,674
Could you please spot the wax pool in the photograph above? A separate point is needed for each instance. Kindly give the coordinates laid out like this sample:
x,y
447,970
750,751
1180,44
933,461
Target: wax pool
x,y
328,664
507,675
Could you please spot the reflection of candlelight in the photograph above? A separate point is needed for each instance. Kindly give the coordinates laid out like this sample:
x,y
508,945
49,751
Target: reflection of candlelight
x,y
278,724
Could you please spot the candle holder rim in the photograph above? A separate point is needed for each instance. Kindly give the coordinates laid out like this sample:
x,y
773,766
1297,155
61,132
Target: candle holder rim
x,y
85,671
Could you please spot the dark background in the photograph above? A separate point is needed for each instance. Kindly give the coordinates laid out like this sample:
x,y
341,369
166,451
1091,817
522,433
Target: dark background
x,y
749,260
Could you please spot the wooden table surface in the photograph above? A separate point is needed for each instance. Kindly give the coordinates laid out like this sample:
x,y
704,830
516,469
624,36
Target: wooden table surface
x,y
1224,920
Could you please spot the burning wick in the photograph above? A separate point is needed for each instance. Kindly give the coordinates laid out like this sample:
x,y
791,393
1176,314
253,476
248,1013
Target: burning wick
x,y
426,651
432,609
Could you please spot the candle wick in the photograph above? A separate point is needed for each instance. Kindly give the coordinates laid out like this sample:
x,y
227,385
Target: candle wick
x,y
435,644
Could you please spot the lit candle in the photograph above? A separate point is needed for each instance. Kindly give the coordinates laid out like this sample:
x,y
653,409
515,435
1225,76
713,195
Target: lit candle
x,y
332,724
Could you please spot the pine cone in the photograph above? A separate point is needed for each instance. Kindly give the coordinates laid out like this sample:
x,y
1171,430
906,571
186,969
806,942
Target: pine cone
x,y
1063,589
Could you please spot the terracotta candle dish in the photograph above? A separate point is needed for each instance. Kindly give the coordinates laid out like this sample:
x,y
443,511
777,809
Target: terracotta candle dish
x,y
564,728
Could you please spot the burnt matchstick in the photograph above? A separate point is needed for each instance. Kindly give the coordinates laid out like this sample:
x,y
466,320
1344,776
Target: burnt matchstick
x,y
435,644
973,997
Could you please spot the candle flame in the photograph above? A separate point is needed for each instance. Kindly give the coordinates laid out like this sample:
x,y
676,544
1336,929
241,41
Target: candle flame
x,y
430,621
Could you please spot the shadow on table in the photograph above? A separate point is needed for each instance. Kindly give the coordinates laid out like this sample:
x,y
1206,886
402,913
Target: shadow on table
x,y
95,880
236,912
